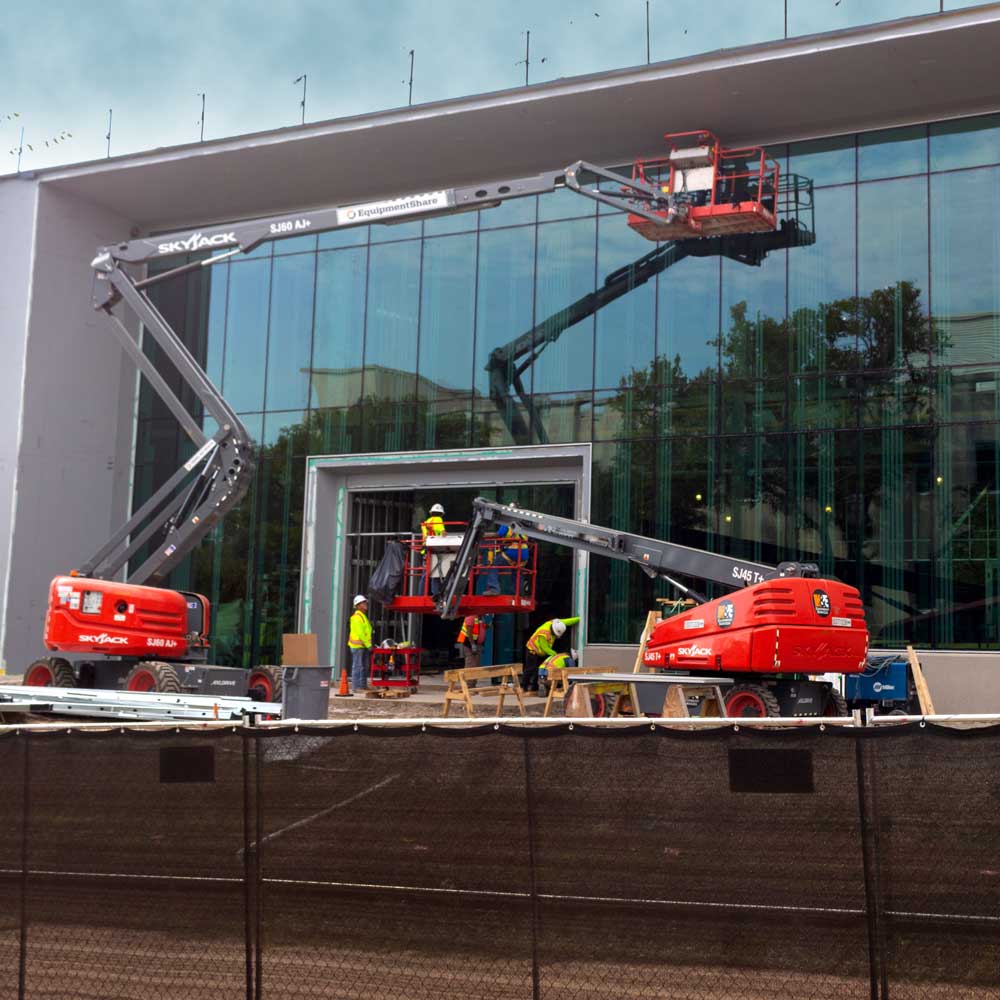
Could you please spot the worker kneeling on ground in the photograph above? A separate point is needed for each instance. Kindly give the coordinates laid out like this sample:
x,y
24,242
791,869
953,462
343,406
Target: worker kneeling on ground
x,y
540,647
558,662
360,644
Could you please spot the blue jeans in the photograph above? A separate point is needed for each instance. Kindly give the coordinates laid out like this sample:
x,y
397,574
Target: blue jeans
x,y
359,669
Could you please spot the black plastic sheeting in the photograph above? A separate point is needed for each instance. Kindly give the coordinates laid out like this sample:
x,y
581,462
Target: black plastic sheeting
x,y
388,576
501,863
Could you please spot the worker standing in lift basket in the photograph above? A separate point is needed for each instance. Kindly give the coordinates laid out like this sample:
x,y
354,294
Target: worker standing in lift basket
x,y
509,555
434,525
360,644
539,647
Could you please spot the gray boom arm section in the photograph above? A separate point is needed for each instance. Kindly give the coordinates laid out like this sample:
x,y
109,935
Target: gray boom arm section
x,y
222,467
206,487
244,236
656,558
200,493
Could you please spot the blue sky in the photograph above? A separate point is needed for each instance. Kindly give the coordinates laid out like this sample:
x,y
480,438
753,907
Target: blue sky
x,y
65,63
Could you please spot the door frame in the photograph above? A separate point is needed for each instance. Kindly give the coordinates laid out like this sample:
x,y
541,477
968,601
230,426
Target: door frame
x,y
330,479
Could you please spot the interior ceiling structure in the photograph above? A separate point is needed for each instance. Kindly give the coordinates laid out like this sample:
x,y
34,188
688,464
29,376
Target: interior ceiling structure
x,y
917,69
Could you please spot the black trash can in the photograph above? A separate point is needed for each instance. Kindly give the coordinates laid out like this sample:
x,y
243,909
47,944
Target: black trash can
x,y
306,692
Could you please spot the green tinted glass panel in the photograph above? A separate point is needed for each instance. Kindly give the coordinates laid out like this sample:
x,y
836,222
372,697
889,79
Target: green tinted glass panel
x,y
965,266
295,244
821,335
687,334
217,322
246,335
503,309
564,203
565,273
626,323
393,310
386,233
290,332
754,332
894,329
462,222
893,153
516,212
824,161
447,315
336,238
340,327
968,142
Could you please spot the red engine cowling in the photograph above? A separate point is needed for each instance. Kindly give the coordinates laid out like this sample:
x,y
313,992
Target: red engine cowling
x,y
119,619
790,625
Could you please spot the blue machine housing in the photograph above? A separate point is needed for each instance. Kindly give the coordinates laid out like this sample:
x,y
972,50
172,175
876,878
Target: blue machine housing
x,y
881,681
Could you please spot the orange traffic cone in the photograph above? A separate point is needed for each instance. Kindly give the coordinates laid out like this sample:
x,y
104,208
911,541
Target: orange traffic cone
x,y
343,692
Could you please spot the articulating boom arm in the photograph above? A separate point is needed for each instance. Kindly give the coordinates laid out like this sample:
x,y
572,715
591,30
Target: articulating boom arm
x,y
206,487
217,477
656,558
214,480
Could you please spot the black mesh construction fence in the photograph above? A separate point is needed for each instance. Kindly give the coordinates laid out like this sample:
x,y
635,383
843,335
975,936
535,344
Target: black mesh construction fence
x,y
501,862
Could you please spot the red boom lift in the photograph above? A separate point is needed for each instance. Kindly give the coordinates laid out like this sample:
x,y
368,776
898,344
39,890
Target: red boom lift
x,y
142,636
782,624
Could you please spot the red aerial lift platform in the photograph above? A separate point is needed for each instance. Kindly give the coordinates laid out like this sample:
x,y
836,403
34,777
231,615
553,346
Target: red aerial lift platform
x,y
501,577
709,190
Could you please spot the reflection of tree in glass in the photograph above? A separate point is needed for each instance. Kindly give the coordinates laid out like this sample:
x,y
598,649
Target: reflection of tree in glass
x,y
886,333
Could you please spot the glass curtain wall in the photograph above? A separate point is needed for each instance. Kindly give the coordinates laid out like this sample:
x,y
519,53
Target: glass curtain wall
x,y
838,403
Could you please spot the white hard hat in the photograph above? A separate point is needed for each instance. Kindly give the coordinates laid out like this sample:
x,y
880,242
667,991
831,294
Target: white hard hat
x,y
558,626
437,509
360,599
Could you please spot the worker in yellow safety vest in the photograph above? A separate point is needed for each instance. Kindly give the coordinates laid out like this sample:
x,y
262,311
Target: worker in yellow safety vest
x,y
540,647
471,637
434,525
557,662
360,644
508,554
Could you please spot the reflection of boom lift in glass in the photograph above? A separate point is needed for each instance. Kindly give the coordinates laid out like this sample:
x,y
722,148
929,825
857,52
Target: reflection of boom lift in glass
x,y
783,202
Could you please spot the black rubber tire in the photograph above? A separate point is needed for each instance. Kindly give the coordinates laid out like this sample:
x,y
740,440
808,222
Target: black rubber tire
x,y
757,691
836,704
259,678
60,670
165,677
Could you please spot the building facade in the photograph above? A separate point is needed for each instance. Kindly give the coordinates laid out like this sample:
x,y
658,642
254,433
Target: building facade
x,y
837,402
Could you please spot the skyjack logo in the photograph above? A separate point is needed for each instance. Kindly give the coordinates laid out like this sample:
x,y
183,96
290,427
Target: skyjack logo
x,y
103,638
197,242
694,651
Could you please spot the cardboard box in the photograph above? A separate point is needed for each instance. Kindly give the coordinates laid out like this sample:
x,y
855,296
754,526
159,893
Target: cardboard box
x,y
299,649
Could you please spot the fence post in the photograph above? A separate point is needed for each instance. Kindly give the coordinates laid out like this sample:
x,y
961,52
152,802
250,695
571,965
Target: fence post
x,y
529,801
871,862
258,879
249,849
22,960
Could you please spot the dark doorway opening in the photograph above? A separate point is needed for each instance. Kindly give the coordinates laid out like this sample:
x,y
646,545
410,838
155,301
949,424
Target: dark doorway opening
x,y
380,515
